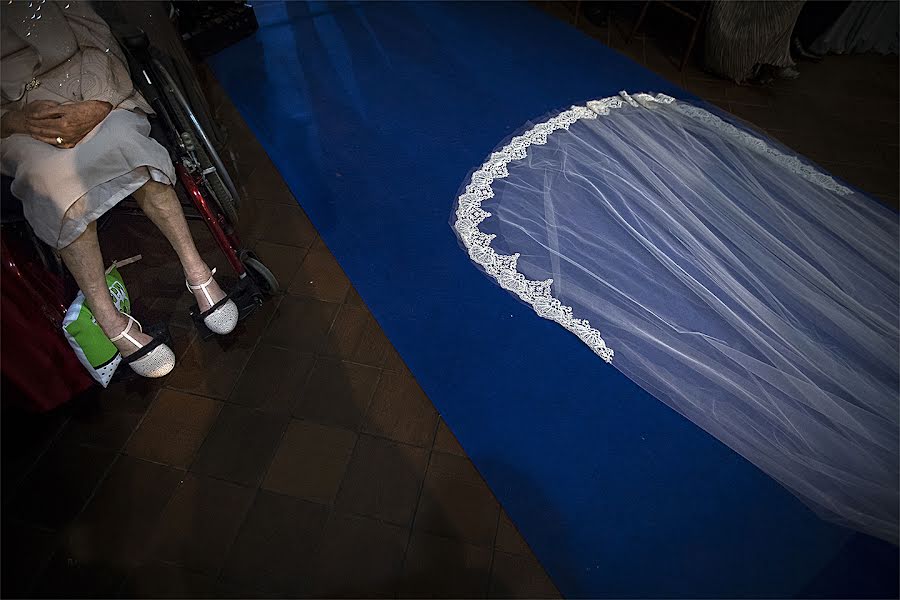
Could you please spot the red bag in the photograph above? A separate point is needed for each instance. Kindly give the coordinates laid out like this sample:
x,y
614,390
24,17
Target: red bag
x,y
34,356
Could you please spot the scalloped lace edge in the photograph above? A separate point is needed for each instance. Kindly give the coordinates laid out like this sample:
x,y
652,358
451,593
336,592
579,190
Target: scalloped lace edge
x,y
503,267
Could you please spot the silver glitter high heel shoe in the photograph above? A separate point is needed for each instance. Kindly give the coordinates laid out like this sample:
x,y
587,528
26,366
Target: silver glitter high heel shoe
x,y
221,317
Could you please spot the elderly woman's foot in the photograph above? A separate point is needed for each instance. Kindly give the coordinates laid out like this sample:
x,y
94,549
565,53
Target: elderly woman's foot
x,y
115,326
219,314
196,280
148,357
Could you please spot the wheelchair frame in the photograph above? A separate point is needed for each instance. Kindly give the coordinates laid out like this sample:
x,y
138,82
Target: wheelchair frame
x,y
200,171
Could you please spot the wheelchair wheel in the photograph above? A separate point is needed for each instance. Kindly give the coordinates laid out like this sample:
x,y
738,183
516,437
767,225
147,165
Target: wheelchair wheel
x,y
261,275
218,182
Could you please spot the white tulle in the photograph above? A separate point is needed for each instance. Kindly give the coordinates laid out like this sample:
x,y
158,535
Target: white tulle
x,y
736,282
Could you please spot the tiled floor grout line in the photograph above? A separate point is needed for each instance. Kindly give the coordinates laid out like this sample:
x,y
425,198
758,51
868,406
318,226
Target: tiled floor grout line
x,y
227,551
243,524
153,462
412,524
263,329
357,433
189,392
121,450
287,426
494,543
147,556
206,441
96,446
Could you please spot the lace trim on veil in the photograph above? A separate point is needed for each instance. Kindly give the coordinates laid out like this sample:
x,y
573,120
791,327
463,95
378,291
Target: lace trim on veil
x,y
503,267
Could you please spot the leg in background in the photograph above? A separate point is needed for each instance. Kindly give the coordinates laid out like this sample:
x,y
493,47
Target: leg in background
x,y
815,19
85,262
698,23
638,23
160,203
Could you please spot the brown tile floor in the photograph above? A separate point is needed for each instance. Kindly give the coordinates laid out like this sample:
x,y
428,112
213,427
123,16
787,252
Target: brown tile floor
x,y
237,476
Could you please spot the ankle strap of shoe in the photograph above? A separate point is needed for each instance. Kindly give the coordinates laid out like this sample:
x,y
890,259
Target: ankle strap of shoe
x,y
124,334
202,287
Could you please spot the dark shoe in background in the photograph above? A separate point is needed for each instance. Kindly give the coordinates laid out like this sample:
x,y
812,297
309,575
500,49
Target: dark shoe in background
x,y
799,51
787,73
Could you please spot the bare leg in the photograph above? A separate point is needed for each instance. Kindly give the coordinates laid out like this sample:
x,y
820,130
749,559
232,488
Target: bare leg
x,y
84,261
161,205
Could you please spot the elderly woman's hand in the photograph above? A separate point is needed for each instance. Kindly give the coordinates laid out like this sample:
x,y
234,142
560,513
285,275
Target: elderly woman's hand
x,y
66,122
17,121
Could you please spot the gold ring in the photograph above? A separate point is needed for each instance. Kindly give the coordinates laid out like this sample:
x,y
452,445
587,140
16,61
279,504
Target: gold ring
x,y
59,141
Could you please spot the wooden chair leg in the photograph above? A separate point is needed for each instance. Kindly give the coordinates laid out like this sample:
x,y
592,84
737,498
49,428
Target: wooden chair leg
x,y
637,24
577,11
694,31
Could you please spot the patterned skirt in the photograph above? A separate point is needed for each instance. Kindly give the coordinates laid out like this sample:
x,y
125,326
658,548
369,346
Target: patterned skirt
x,y
743,35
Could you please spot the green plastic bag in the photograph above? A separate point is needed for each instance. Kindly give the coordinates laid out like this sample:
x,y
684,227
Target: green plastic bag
x,y
98,355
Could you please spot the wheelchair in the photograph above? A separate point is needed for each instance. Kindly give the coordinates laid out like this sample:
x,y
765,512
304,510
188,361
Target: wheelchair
x,y
204,187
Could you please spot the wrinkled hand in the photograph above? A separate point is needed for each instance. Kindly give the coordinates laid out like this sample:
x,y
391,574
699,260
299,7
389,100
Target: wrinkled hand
x,y
17,121
71,122
37,105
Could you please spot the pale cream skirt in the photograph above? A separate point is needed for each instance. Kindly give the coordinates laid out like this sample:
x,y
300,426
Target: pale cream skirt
x,y
64,190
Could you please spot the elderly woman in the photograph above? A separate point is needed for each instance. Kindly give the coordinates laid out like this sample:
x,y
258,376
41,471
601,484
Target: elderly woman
x,y
75,137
